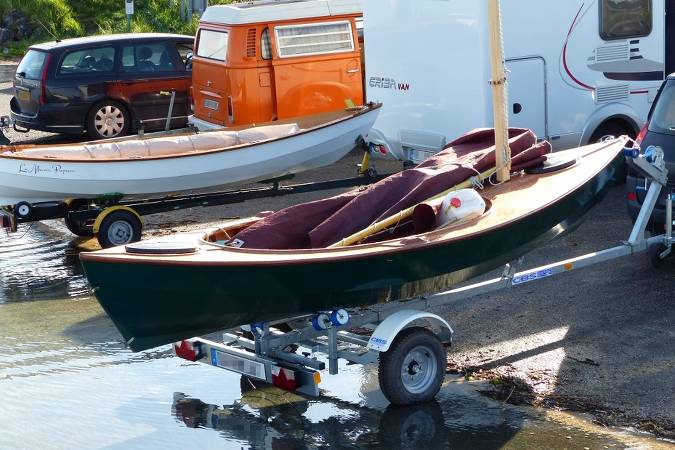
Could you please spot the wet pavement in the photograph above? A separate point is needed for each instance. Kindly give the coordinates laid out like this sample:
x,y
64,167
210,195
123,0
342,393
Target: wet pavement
x,y
67,382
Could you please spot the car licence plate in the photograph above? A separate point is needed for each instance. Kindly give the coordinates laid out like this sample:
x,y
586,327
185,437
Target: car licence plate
x,y
23,95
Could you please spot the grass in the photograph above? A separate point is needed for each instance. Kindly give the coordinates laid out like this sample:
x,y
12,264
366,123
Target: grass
x,y
73,18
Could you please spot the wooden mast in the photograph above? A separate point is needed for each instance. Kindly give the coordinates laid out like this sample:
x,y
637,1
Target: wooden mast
x,y
499,94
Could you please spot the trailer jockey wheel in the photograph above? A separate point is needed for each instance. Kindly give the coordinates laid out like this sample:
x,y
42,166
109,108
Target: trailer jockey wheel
x,y
119,228
412,370
23,210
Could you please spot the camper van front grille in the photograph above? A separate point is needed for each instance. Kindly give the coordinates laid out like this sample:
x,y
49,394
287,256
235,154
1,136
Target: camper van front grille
x,y
250,42
612,93
615,52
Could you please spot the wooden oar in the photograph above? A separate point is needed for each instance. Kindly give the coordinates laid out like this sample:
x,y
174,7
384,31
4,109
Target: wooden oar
x,y
404,214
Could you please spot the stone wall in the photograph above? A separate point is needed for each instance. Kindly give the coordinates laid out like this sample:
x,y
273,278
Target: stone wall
x,y
15,26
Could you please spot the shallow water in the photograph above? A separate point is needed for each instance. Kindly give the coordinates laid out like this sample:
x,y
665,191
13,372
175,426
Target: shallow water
x,y
38,262
67,382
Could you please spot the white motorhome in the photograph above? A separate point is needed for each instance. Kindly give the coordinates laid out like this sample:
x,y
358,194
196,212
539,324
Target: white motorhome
x,y
577,70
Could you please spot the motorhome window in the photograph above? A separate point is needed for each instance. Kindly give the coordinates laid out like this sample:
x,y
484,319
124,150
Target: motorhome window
x,y
663,117
91,60
147,58
623,19
212,44
265,45
312,39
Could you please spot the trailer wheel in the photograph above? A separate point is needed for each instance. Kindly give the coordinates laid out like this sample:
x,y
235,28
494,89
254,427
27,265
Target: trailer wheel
x,y
412,370
119,228
78,227
23,210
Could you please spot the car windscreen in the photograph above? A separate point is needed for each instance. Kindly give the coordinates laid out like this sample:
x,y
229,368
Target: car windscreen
x,y
212,44
31,65
663,117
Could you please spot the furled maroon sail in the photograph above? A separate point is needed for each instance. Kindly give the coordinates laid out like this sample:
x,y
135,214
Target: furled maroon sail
x,y
321,223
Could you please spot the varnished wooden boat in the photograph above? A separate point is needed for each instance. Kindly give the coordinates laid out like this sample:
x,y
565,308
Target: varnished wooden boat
x,y
179,162
158,299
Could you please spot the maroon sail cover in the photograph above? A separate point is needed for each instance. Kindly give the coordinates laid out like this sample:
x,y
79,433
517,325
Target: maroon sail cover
x,y
323,222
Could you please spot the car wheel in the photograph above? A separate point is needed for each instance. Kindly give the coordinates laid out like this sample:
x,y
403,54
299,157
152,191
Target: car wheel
x,y
108,119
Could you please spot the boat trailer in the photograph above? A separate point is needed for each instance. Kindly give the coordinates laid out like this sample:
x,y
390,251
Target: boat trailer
x,y
405,337
116,221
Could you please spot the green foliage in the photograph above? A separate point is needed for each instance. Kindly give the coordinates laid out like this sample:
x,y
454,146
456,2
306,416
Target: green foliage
x,y
73,18
51,17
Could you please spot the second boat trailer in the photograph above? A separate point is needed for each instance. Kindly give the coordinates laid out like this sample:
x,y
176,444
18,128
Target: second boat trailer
x,y
405,337
116,221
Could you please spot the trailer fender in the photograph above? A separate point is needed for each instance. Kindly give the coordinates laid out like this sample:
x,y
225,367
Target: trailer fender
x,y
612,111
103,214
387,331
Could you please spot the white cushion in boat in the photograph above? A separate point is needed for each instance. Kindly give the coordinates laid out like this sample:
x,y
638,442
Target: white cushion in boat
x,y
162,146
214,139
267,132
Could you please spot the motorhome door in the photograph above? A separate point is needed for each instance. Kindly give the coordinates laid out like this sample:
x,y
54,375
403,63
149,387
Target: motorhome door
x,y
527,94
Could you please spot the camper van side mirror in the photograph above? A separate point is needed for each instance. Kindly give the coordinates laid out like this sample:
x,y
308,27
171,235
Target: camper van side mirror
x,y
188,61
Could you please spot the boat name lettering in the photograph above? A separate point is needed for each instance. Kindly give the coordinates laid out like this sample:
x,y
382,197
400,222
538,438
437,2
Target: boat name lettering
x,y
532,276
38,169
388,83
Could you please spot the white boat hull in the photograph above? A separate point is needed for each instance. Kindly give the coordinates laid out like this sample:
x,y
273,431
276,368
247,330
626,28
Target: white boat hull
x,y
43,180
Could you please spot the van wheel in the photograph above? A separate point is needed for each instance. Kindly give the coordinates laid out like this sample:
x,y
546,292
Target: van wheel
x,y
108,119
610,130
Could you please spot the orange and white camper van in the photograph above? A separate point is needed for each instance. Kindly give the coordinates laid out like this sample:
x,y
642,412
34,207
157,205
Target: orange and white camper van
x,y
269,60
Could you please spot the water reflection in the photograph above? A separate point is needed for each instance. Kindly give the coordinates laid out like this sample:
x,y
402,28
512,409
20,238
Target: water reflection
x,y
39,262
266,417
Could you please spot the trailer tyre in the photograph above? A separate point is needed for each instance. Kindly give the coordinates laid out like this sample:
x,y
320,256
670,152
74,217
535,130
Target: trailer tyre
x,y
78,227
412,370
119,228
23,210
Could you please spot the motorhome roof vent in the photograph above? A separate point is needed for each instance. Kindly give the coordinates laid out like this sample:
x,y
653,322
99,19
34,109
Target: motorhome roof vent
x,y
250,42
612,93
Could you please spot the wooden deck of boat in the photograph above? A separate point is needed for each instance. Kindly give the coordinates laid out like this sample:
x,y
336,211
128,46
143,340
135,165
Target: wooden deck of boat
x,y
511,201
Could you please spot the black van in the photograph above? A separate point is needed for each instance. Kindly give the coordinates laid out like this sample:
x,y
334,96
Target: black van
x,y
104,85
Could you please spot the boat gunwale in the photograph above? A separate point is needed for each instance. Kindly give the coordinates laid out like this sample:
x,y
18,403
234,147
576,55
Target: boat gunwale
x,y
339,254
365,109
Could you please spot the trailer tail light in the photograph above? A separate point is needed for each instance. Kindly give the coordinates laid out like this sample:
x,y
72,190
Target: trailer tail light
x,y
284,378
43,79
190,351
643,132
632,196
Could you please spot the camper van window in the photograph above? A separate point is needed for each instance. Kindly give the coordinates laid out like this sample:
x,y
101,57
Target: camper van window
x,y
265,46
212,44
313,39
623,19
